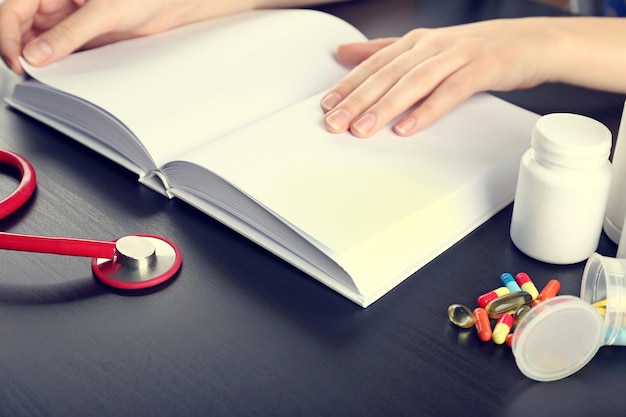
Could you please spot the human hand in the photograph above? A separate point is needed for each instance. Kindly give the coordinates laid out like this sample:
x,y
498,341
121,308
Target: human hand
x,y
44,31
433,70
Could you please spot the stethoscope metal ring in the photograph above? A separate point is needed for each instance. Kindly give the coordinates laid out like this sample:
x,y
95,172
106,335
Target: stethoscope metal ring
x,y
141,261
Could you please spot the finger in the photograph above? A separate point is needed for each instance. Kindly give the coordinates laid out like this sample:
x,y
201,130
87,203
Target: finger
x,y
14,14
451,92
416,84
10,42
374,81
352,54
66,36
359,74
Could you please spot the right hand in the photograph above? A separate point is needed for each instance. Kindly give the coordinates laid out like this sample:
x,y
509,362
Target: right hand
x,y
44,31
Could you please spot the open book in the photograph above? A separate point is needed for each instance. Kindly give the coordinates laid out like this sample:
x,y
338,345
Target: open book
x,y
225,115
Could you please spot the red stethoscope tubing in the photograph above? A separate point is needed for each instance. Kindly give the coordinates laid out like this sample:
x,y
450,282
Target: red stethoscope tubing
x,y
29,243
57,245
25,188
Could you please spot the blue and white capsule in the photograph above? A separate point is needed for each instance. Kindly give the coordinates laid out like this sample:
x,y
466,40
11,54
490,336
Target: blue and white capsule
x,y
509,282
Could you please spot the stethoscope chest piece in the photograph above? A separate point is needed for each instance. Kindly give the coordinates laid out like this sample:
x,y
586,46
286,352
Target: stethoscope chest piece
x,y
130,263
141,261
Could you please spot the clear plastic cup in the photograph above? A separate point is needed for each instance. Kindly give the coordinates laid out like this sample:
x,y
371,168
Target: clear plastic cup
x,y
604,279
561,335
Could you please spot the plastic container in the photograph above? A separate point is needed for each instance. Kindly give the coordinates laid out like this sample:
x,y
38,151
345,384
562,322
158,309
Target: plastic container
x,y
621,247
562,189
616,206
561,335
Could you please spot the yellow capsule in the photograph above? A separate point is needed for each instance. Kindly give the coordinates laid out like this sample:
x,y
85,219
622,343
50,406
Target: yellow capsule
x,y
484,299
600,306
502,329
461,315
508,303
526,284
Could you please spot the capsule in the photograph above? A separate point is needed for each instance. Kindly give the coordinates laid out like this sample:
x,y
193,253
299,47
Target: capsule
x,y
549,291
502,329
600,306
509,282
507,303
482,324
521,312
461,316
484,299
509,340
526,284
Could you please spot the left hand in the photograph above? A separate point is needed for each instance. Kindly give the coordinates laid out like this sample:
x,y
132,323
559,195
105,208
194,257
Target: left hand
x,y
434,70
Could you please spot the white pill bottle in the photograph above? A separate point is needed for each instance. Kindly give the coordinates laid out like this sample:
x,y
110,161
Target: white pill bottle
x,y
562,189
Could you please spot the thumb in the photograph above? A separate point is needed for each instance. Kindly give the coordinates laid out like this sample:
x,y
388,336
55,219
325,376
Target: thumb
x,y
65,37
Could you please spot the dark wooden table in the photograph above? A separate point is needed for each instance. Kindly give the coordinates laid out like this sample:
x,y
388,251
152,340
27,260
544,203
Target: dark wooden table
x,y
239,332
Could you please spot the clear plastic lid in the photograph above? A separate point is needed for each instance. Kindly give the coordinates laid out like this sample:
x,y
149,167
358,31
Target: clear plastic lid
x,y
557,338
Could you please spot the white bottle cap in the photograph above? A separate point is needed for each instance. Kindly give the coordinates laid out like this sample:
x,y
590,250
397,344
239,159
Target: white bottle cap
x,y
571,140
557,338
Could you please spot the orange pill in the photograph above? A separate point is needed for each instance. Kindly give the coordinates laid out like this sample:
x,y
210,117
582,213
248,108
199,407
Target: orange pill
x,y
482,324
551,289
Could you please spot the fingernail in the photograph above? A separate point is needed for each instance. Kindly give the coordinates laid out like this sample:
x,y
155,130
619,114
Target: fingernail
x,y
338,120
364,124
330,101
37,52
406,126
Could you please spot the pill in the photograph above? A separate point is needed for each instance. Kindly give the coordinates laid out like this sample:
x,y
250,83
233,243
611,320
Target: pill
x,y
507,303
482,324
601,306
509,340
484,299
509,282
526,284
549,291
502,329
461,315
521,312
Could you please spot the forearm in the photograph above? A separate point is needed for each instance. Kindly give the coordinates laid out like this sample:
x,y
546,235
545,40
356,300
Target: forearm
x,y
590,52
292,3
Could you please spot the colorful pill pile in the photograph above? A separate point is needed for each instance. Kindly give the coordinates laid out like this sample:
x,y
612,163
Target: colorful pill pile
x,y
506,305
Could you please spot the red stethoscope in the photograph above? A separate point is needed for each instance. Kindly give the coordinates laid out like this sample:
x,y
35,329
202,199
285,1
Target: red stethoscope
x,y
129,263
